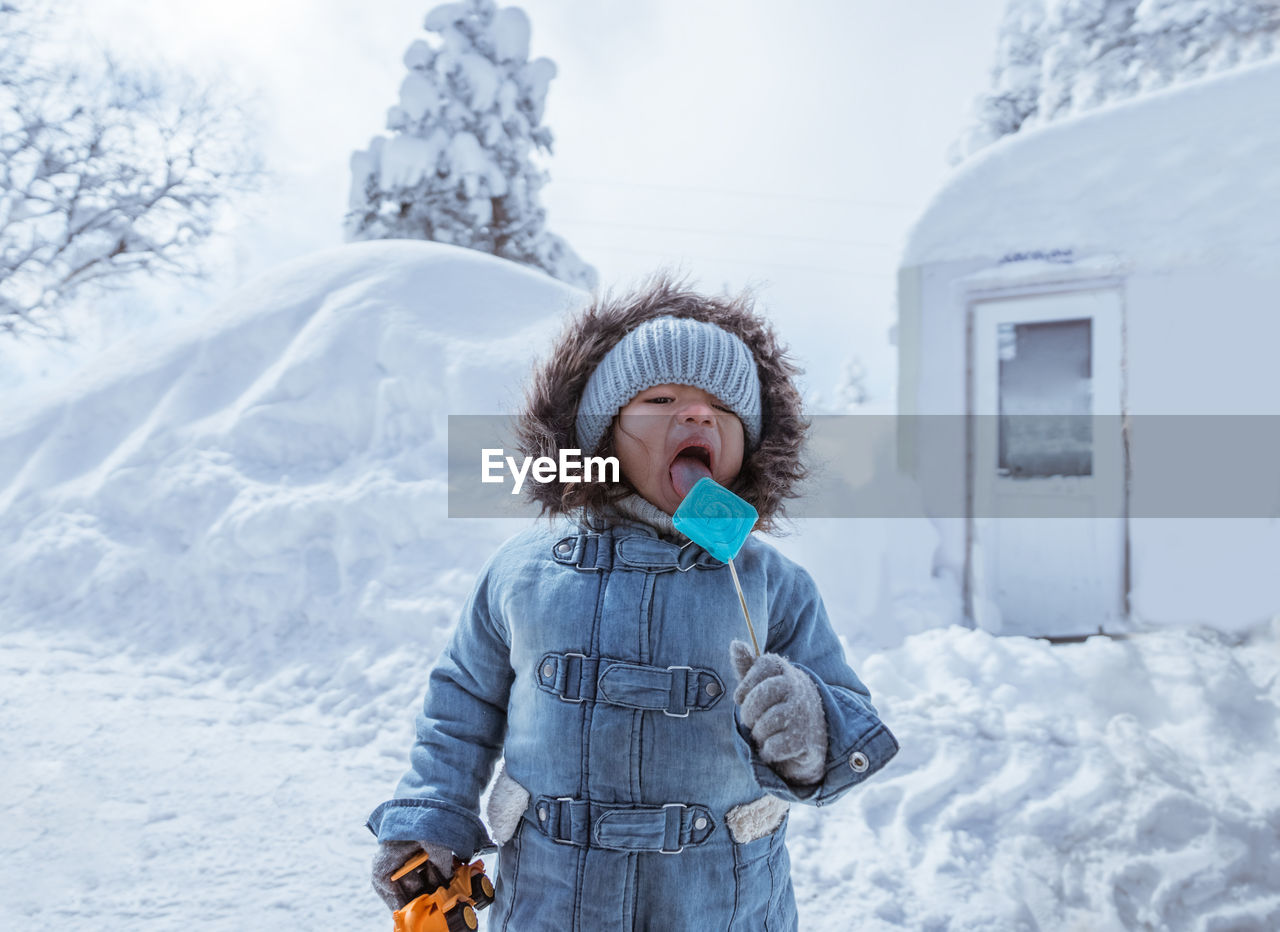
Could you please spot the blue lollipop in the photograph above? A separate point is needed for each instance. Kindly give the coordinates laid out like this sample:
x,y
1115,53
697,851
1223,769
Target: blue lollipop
x,y
719,522
715,519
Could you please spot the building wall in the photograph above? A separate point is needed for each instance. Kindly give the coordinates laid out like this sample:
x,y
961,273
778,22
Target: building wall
x,y
1199,341
933,376
1204,343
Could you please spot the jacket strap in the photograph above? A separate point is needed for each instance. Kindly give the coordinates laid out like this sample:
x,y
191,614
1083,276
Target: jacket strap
x,y
674,691
590,551
585,551
669,829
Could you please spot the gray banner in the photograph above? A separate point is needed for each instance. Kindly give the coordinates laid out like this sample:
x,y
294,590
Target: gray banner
x,y
944,466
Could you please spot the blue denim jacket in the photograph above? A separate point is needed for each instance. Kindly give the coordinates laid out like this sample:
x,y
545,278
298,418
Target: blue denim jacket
x,y
597,664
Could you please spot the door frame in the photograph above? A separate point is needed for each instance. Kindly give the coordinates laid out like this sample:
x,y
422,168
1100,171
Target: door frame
x,y
1065,283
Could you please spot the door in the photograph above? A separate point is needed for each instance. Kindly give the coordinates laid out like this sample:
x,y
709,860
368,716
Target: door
x,y
1047,473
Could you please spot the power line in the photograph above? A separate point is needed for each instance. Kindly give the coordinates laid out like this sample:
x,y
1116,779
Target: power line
x,y
823,199
828,270
786,236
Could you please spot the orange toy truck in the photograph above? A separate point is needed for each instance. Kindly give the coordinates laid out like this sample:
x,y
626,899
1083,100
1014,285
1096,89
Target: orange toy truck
x,y
446,907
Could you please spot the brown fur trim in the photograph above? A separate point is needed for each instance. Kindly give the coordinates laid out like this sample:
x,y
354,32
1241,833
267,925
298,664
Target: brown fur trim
x,y
770,471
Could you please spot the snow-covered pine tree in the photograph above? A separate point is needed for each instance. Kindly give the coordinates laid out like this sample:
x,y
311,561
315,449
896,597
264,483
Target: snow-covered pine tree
x,y
1015,80
1182,39
851,393
1055,58
460,166
1089,55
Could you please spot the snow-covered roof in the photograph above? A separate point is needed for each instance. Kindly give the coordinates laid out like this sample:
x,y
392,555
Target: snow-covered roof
x,y
1187,175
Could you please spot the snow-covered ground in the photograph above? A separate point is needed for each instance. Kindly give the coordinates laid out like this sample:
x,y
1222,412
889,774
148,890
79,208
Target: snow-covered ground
x,y
1104,785
225,570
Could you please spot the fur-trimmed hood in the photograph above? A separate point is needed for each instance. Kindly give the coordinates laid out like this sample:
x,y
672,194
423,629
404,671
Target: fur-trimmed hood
x,y
771,469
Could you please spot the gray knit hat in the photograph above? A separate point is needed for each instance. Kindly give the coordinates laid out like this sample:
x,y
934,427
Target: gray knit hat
x,y
676,350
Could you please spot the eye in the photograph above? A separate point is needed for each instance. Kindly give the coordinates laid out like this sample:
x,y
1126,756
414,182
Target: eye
x,y
657,399
722,408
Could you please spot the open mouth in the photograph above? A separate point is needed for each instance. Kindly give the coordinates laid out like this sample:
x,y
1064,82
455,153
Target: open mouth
x,y
697,451
691,463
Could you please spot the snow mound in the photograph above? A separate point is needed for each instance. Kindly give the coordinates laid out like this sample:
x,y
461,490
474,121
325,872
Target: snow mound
x,y
274,480
1103,785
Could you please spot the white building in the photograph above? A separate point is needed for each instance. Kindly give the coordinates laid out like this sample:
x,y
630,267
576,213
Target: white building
x,y
1121,264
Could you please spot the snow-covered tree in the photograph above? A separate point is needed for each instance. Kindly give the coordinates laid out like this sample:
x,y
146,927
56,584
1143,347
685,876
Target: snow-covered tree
x,y
460,167
105,171
851,393
1055,58
1015,79
1183,39
1089,57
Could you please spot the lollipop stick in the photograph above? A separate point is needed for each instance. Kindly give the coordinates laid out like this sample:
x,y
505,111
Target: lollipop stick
x,y
742,599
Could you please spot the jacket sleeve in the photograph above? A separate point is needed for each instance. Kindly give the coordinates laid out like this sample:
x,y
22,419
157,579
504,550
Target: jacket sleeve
x,y
858,743
460,732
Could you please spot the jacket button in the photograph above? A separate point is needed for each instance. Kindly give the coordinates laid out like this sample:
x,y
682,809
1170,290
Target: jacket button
x,y
713,689
858,761
548,671
699,823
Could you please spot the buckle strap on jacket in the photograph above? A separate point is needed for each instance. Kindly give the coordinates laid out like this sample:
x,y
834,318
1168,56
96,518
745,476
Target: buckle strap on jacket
x,y
669,828
585,551
674,691
590,551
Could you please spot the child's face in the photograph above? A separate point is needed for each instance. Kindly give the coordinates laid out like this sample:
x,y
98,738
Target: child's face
x,y
658,423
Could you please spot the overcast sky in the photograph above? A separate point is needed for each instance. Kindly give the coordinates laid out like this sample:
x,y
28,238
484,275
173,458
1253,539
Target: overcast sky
x,y
788,146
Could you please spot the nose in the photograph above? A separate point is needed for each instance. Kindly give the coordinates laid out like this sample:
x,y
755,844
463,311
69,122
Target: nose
x,y
696,411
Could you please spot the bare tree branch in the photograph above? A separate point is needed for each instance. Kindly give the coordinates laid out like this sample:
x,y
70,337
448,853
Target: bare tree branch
x,y
108,172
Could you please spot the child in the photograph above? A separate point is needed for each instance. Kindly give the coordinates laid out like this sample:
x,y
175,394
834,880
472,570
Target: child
x,y
594,655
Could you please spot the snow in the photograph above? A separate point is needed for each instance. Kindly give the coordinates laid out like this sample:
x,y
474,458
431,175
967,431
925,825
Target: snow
x,y
287,463
482,79
225,571
536,77
468,158
510,34
419,55
418,98
402,160
444,16
1121,161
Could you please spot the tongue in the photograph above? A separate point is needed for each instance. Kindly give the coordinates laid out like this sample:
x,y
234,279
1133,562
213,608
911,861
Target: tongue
x,y
687,470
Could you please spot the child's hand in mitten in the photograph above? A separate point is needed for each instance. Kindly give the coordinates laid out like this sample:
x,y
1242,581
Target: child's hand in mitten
x,y
393,855
780,706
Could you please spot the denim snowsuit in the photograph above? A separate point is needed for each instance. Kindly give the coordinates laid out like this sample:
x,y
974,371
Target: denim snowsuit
x,y
598,664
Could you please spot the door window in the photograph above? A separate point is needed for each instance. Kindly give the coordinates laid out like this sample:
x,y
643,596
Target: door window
x,y
1045,399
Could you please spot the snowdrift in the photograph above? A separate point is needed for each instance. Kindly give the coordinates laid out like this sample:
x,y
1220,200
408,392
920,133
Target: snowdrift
x,y
275,476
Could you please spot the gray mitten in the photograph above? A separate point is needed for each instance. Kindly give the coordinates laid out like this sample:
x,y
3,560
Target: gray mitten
x,y
392,855
781,707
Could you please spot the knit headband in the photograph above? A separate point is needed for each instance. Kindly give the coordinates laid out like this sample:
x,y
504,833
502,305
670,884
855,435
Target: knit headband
x,y
676,350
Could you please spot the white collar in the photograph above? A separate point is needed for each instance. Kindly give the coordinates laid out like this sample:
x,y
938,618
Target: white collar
x,y
638,508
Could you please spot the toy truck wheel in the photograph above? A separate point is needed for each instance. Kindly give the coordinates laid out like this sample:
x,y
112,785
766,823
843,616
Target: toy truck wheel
x,y
481,891
462,919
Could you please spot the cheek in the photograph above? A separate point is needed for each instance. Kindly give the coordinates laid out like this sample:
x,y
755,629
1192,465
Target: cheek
x,y
735,453
633,457
732,468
